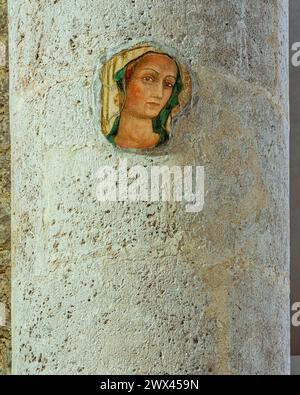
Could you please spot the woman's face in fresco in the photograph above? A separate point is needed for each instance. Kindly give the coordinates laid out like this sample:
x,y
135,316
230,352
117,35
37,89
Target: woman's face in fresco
x,y
150,85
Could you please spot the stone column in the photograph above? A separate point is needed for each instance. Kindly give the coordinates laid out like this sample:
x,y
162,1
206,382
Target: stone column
x,y
138,288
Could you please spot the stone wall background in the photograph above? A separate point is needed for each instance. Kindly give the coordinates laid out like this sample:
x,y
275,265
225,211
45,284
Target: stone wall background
x,y
295,166
4,194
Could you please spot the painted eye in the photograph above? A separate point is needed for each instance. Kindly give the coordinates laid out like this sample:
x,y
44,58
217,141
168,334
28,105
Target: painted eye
x,y
168,84
148,78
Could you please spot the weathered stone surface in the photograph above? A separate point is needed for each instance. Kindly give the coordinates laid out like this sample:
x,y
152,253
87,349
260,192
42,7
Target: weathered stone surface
x,y
4,195
145,287
294,171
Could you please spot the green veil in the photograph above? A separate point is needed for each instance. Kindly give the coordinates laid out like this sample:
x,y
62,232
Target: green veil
x,y
159,123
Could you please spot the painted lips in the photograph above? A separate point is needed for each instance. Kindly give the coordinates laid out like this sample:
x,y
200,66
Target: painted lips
x,y
153,104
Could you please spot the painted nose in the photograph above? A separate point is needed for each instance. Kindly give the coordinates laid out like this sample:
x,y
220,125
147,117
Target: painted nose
x,y
158,91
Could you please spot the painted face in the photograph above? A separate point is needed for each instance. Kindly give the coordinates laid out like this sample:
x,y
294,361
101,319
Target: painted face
x,y
150,85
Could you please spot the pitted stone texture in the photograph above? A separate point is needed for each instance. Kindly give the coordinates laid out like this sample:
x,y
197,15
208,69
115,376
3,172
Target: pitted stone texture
x,y
146,287
4,195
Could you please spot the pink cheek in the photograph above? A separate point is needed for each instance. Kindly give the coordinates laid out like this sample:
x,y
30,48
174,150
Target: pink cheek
x,y
135,93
